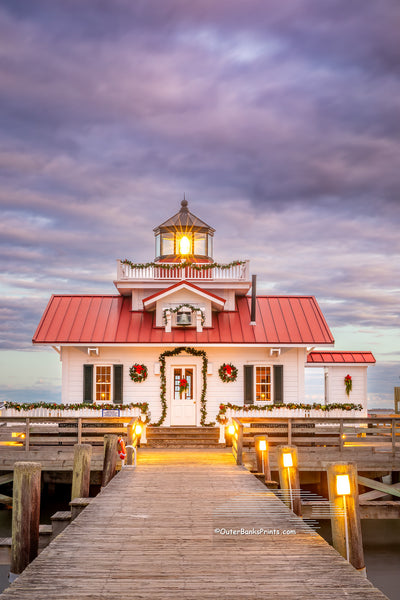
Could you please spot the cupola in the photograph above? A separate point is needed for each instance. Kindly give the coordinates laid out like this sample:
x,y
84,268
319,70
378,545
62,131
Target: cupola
x,y
184,236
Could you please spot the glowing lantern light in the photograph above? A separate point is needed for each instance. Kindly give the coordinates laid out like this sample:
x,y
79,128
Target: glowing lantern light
x,y
343,485
287,459
263,445
231,429
184,245
138,429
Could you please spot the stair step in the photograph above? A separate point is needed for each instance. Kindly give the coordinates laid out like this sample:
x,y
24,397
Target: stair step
x,y
179,444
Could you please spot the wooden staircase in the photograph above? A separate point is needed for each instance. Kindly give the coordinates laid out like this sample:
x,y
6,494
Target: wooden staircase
x,y
182,437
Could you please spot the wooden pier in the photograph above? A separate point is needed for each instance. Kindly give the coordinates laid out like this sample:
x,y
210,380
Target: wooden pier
x,y
159,531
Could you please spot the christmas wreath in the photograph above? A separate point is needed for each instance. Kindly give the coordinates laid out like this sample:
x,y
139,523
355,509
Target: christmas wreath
x,y
228,372
348,382
138,373
183,385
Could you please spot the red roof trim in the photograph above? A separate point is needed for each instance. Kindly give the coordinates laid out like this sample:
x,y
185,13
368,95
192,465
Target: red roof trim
x,y
336,357
183,283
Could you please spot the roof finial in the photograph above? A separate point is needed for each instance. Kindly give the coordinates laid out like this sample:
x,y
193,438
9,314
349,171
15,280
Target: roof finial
x,y
184,204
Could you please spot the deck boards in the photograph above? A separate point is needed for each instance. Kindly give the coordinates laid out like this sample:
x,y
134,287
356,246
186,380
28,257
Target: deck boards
x,y
150,534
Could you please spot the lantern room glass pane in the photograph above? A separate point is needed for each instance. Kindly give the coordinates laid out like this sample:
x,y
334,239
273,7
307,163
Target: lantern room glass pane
x,y
200,244
167,244
210,246
158,245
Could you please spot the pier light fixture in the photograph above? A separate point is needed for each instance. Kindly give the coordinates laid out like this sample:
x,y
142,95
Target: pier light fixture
x,y
343,489
138,429
343,485
288,463
263,445
231,429
287,459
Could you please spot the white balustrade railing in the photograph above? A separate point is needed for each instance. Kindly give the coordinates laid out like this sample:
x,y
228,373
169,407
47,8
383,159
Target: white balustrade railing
x,y
173,271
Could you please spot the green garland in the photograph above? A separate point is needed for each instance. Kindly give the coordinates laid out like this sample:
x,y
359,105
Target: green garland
x,y
192,308
21,407
221,417
182,265
163,382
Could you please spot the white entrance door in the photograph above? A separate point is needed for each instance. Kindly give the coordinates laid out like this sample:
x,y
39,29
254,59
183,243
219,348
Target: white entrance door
x,y
183,403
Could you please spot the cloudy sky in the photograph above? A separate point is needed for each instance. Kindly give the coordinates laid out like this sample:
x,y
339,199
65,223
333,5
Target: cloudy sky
x,y
280,121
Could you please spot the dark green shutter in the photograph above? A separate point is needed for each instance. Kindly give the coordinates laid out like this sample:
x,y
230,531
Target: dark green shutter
x,y
88,383
248,384
278,384
118,384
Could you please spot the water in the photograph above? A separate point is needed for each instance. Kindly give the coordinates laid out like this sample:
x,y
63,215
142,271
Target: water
x,y
381,540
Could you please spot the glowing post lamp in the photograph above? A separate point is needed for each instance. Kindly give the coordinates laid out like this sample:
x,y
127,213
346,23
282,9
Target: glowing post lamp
x,y
287,460
138,429
262,446
343,489
184,245
231,429
287,463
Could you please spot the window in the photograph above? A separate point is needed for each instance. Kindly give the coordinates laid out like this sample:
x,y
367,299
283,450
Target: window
x,y
263,386
167,244
158,245
200,244
102,390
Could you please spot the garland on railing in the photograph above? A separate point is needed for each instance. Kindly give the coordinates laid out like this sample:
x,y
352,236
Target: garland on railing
x,y
22,407
221,418
192,308
182,265
163,382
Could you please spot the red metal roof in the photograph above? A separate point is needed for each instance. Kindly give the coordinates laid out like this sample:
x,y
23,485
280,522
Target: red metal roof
x,y
340,358
110,320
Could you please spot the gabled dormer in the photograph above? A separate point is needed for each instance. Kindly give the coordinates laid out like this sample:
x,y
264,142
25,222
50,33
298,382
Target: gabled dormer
x,y
183,305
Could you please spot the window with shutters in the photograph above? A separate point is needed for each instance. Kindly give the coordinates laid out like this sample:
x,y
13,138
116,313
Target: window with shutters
x,y
103,383
263,383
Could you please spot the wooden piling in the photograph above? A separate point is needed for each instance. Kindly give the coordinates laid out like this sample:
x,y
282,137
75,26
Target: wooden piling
x,y
289,478
349,503
129,441
110,458
81,472
25,516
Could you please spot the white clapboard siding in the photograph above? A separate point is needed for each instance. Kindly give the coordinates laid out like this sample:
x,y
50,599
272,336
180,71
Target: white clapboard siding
x,y
336,387
149,391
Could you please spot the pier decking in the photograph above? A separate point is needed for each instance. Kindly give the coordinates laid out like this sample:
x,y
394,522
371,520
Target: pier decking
x,y
152,534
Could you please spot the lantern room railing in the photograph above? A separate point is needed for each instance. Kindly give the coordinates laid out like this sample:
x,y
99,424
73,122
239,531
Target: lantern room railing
x,y
239,272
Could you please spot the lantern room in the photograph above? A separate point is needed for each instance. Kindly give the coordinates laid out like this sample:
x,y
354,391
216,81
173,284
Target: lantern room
x,y
184,236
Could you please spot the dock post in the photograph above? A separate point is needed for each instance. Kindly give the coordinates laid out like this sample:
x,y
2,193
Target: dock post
x,y
110,458
81,472
262,455
289,476
345,520
129,441
25,516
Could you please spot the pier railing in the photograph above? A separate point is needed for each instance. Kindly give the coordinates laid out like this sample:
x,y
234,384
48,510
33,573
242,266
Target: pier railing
x,y
379,434
32,433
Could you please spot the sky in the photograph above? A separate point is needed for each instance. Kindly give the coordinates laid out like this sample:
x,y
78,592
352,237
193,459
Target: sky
x,y
279,121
